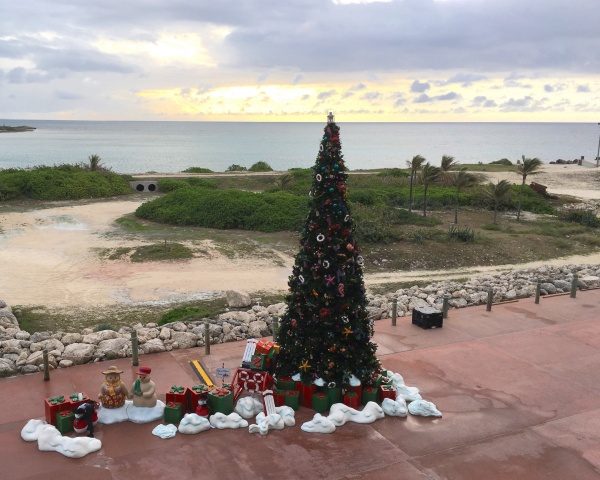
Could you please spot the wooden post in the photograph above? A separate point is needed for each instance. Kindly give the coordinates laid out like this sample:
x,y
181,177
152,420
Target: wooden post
x,y
46,365
490,299
394,311
134,348
574,283
206,339
538,291
445,305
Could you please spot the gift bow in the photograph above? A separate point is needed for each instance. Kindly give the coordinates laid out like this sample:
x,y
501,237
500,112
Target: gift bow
x,y
220,392
172,405
65,414
56,400
200,388
177,389
387,388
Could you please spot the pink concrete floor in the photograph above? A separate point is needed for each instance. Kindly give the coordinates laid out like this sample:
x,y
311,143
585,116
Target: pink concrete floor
x,y
519,389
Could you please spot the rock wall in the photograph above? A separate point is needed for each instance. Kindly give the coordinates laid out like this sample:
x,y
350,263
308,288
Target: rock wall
x,y
21,352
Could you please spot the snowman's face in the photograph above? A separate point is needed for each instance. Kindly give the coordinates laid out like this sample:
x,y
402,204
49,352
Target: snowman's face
x,y
112,378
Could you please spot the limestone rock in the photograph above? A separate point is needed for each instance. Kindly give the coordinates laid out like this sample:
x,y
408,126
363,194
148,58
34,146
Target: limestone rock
x,y
7,367
113,348
40,336
184,339
29,369
153,346
65,363
257,329
238,299
165,334
97,337
79,353
548,287
50,344
69,338
22,335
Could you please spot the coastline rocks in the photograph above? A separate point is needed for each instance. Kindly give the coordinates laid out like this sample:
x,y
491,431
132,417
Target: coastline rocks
x,y
238,299
79,353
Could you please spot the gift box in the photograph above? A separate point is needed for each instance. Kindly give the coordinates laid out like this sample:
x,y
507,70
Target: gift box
x,y
260,361
177,394
77,399
387,391
268,348
369,394
194,394
220,400
357,389
279,397
292,399
173,412
334,393
64,421
320,402
351,399
306,394
285,383
54,405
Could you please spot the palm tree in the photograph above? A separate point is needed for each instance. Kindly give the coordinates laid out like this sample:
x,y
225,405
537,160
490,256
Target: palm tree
x,y
414,165
448,163
497,193
459,180
429,174
95,162
528,166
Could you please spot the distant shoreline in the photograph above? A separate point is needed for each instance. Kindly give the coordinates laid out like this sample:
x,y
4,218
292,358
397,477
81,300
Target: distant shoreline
x,y
21,128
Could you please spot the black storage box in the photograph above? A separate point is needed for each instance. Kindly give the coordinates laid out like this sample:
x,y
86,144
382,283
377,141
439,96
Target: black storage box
x,y
427,317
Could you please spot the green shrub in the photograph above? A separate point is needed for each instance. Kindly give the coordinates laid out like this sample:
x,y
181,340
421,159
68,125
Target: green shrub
x,y
502,161
236,168
103,326
261,167
584,217
197,170
228,209
63,182
371,231
169,184
160,252
491,226
190,313
394,172
462,234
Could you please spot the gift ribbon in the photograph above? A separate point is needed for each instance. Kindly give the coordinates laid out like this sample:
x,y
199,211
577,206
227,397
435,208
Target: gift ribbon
x,y
177,389
220,392
74,397
200,388
56,400
256,379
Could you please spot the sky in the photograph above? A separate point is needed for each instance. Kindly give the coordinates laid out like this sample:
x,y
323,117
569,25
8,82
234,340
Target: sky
x,y
293,60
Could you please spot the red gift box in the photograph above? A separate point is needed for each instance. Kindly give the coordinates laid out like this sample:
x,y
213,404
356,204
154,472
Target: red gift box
x,y
75,402
387,391
264,346
279,398
358,390
194,394
306,393
351,399
177,394
54,405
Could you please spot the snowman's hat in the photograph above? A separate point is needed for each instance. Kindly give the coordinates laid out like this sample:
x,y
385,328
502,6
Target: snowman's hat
x,y
144,371
112,369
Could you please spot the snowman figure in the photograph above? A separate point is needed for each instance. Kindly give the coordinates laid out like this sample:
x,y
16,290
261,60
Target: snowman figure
x,y
85,418
202,408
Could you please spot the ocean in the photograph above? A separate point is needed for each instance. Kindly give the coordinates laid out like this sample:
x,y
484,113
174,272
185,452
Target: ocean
x,y
138,147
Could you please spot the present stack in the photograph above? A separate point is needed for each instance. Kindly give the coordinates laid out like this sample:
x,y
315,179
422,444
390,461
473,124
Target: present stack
x,y
59,410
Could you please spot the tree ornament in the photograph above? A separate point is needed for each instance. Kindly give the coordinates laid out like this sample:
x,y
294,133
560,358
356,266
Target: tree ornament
x,y
301,279
341,289
329,280
305,366
320,237
293,322
325,264
360,260
350,247
318,177
347,218
324,312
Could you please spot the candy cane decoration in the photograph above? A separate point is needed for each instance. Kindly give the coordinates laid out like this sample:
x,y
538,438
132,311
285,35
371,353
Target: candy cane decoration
x,y
269,402
250,348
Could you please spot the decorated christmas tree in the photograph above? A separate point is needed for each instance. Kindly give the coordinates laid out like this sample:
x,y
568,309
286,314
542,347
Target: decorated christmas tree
x,y
325,332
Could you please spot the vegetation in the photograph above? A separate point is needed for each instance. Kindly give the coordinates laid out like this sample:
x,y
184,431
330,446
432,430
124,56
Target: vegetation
x,y
502,161
583,217
528,166
462,234
429,174
157,252
459,181
63,182
95,163
261,167
21,128
498,194
236,168
197,170
169,184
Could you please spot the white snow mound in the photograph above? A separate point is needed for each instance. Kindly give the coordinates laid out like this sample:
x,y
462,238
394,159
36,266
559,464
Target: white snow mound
x,y
248,407
340,413
409,394
192,424
264,423
108,416
233,420
394,408
423,408
319,424
165,431
288,415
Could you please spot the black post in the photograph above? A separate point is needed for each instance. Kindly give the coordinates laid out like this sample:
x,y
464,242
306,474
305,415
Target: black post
x,y
46,365
394,311
574,283
445,306
538,288
134,348
206,339
490,299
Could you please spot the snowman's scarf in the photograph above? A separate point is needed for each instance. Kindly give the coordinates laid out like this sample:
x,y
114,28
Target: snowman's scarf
x,y
137,387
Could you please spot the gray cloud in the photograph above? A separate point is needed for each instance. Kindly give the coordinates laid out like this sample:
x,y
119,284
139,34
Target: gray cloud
x,y
483,101
424,98
524,104
22,75
583,88
370,96
326,95
419,87
465,79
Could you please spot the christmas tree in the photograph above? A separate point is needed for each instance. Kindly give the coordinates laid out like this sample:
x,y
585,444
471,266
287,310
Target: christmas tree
x,y
325,332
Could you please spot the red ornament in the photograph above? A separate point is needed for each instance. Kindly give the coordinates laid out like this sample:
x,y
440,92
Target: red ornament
x,y
345,232
350,247
293,322
341,289
324,312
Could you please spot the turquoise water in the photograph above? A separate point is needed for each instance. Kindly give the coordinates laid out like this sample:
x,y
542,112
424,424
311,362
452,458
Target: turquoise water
x,y
130,147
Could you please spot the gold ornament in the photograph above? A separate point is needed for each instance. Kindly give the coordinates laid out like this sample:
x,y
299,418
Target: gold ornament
x,y
305,366
346,331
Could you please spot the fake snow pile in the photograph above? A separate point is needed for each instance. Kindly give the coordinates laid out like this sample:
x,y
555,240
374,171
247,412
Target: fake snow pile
x,y
408,400
284,416
49,439
129,412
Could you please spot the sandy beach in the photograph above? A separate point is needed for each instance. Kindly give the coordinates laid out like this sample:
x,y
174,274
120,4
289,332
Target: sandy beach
x,y
50,256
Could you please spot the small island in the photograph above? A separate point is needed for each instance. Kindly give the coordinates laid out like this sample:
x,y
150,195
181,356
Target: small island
x,y
22,128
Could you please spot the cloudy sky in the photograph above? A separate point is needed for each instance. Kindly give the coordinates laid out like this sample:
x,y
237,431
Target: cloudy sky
x,y
399,60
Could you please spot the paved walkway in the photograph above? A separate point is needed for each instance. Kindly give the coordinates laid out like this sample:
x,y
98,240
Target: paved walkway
x,y
519,389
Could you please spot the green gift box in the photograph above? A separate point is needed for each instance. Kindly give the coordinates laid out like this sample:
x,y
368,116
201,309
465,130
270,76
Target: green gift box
x,y
285,383
292,399
259,361
64,421
334,393
173,413
320,402
369,394
220,400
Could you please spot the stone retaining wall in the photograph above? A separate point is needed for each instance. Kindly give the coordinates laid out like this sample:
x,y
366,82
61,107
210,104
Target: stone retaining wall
x,y
21,352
